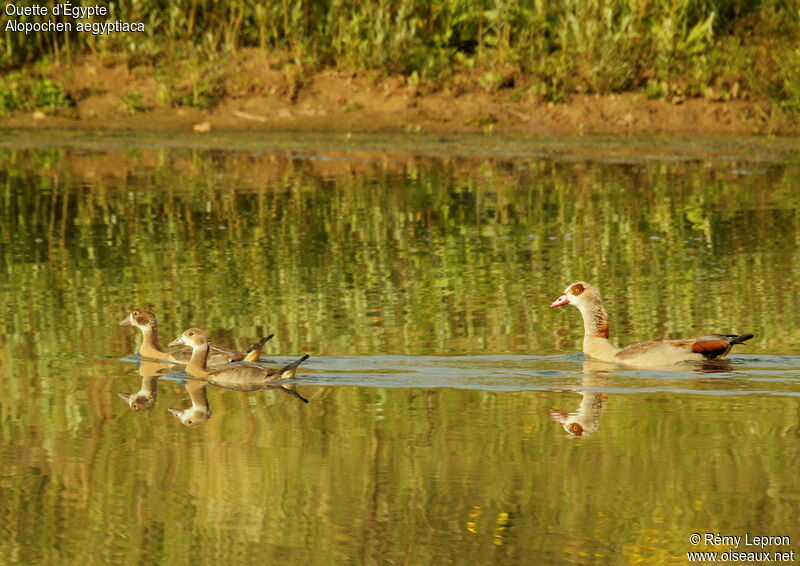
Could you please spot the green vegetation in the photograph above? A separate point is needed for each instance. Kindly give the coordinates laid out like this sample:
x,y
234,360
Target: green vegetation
x,y
719,49
133,102
19,92
193,81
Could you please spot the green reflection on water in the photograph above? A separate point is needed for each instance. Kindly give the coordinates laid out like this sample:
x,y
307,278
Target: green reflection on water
x,y
376,476
365,253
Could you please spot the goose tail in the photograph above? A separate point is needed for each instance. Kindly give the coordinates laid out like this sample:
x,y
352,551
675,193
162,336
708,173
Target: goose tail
x,y
741,339
253,353
288,371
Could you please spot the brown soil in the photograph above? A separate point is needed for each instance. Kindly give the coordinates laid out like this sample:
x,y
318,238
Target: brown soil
x,y
262,98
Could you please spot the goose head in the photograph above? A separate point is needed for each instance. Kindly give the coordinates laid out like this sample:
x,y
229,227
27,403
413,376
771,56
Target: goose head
x,y
193,337
578,294
587,300
142,319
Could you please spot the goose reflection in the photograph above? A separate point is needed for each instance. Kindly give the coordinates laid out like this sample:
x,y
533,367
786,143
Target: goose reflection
x,y
199,412
586,419
145,398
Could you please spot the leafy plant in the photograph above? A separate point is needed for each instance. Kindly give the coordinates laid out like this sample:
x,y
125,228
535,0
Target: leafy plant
x,y
133,102
17,92
49,96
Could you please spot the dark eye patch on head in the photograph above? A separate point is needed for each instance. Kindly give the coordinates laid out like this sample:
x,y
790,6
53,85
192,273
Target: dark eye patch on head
x,y
577,289
576,429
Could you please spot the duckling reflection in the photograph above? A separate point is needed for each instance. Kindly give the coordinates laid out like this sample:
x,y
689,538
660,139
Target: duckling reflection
x,y
199,412
145,321
586,419
145,398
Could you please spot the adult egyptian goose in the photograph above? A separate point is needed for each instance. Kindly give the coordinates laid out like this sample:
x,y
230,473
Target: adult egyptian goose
x,y
145,321
651,353
238,376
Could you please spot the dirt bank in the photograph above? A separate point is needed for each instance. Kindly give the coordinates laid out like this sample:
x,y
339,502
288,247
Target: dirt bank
x,y
261,98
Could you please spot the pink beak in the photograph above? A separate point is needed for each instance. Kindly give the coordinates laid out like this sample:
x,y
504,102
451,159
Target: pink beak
x,y
126,322
559,302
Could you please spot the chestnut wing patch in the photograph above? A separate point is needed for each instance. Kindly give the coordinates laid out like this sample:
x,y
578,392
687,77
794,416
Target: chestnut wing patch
x,y
709,346
717,346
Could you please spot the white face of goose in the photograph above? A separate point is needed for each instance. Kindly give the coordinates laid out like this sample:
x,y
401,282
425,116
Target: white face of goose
x,y
194,338
574,295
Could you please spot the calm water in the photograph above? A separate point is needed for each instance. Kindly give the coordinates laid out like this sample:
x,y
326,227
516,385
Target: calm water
x,y
417,275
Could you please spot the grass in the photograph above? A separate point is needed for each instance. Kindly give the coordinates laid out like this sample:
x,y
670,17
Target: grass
x,y
721,49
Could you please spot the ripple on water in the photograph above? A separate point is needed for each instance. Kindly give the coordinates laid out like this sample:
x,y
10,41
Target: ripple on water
x,y
767,375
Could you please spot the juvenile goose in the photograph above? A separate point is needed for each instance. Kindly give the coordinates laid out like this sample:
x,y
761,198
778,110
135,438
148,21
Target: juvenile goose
x,y
239,376
651,353
145,321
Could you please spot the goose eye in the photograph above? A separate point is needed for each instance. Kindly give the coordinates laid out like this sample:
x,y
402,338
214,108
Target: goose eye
x,y
191,333
577,289
575,428
135,313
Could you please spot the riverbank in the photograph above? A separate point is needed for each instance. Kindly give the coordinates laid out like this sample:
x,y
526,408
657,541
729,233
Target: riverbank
x,y
255,96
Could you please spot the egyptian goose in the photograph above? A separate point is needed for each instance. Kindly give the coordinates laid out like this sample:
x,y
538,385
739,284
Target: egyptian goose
x,y
651,353
145,321
238,376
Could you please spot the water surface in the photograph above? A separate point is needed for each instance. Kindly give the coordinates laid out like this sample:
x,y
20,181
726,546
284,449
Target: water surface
x,y
443,392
